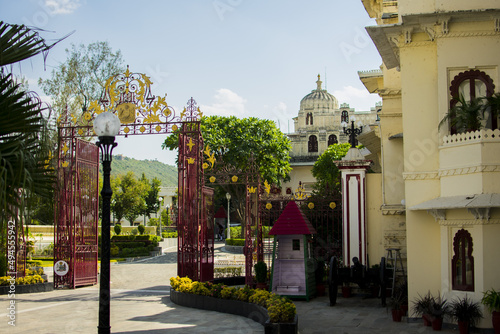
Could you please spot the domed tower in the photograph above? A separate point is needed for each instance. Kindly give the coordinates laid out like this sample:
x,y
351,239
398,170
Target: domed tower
x,y
316,125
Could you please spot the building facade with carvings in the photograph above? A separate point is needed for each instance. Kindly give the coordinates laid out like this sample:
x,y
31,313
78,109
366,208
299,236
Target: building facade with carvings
x,y
318,125
440,181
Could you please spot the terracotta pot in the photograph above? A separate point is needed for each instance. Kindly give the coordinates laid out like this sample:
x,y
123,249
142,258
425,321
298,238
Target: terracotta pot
x,y
404,308
397,315
346,291
427,319
320,290
495,319
463,327
437,323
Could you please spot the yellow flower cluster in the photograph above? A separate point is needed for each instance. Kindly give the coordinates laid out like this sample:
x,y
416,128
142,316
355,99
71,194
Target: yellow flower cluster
x,y
280,309
32,279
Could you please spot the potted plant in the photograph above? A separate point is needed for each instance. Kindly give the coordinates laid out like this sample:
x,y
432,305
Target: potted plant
x,y
396,303
491,299
319,275
466,312
465,115
422,307
261,274
438,309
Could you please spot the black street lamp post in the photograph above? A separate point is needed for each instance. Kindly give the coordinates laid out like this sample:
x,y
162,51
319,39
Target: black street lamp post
x,y
106,126
352,132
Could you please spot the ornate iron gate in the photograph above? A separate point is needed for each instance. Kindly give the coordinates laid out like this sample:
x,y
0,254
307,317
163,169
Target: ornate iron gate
x,y
77,212
140,112
195,248
249,181
324,213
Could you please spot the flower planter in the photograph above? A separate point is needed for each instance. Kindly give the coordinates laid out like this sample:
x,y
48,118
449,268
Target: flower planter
x,y
252,311
28,288
281,328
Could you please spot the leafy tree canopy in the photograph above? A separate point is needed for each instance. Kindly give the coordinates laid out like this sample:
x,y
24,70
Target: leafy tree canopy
x,y
235,140
82,77
325,171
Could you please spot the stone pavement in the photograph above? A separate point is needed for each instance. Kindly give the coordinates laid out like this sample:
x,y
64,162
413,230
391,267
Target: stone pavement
x,y
141,304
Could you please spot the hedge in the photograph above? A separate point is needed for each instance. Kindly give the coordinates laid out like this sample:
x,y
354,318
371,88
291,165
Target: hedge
x,y
235,242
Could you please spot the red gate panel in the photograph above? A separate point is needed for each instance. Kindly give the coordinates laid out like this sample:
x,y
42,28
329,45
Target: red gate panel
x,y
77,213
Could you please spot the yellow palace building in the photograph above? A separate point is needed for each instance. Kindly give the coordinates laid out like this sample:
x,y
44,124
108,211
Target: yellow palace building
x,y
439,190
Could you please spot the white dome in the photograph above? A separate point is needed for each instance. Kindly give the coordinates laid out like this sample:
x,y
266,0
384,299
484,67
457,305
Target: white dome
x,y
319,99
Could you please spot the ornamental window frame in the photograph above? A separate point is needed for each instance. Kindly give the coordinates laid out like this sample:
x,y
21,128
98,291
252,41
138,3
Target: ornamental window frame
x,y
332,139
470,77
462,262
309,118
312,144
344,116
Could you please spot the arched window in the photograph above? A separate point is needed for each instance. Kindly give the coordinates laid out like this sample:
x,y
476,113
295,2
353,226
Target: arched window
x,y
344,117
472,84
309,118
462,263
312,145
332,139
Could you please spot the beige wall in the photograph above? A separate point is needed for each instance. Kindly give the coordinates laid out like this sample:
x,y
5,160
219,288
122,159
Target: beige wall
x,y
432,6
375,230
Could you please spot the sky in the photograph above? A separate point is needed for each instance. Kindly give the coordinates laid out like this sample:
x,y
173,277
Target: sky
x,y
247,58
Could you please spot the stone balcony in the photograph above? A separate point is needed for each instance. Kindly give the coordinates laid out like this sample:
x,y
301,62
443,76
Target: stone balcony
x,y
469,163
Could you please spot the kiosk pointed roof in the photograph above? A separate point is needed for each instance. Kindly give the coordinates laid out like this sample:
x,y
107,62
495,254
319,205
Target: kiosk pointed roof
x,y
292,221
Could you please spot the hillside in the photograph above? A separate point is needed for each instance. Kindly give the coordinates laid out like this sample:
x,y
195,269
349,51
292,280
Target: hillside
x,y
151,168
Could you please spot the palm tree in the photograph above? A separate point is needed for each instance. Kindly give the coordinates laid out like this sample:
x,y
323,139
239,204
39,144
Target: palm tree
x,y
465,115
24,145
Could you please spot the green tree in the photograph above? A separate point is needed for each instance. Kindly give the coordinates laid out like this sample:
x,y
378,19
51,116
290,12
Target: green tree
x,y
151,201
25,171
234,141
128,198
325,171
82,77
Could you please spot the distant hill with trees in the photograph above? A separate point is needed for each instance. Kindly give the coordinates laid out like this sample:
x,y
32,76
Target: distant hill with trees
x,y
167,174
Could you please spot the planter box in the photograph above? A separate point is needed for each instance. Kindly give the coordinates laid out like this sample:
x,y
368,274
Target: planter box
x,y
252,311
29,288
282,328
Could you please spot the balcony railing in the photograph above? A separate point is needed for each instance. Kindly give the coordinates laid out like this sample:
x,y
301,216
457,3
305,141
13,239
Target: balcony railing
x,y
485,135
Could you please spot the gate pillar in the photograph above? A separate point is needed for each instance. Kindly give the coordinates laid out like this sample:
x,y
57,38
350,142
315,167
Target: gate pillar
x,y
353,168
195,249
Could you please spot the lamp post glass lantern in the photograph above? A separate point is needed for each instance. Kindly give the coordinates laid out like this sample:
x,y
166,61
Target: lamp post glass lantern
x,y
106,126
228,196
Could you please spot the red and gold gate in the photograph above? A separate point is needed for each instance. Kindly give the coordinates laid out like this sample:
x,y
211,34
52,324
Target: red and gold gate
x,y
129,96
195,249
246,184
77,211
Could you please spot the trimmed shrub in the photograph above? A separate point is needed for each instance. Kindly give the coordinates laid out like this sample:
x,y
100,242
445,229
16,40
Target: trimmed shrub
x,y
141,229
118,229
169,234
235,242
